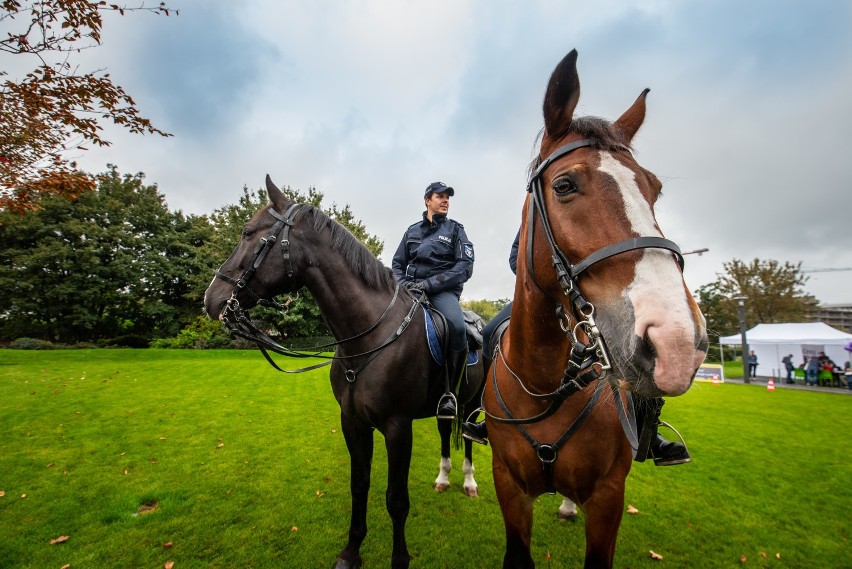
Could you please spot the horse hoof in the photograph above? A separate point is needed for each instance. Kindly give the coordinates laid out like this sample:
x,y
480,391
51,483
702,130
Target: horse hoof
x,y
442,487
567,517
343,564
472,492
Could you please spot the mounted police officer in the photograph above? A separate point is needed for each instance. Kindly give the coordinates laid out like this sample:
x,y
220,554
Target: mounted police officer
x,y
435,257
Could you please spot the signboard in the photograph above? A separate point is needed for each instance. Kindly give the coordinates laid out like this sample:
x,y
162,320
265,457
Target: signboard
x,y
812,350
710,372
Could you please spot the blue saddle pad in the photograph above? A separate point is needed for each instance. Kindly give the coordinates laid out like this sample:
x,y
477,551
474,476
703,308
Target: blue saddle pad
x,y
435,343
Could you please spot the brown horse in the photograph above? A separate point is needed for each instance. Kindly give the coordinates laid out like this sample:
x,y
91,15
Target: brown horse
x,y
382,374
600,308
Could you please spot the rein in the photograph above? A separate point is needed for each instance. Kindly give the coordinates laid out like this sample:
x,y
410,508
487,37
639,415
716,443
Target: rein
x,y
239,324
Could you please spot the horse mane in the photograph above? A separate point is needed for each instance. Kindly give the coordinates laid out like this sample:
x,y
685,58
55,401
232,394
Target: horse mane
x,y
362,262
604,134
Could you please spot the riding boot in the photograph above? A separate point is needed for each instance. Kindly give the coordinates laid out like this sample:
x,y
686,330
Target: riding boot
x,y
651,443
456,369
476,432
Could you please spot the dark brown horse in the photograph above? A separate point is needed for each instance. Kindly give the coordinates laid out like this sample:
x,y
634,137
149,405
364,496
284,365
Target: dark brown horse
x,y
600,308
382,375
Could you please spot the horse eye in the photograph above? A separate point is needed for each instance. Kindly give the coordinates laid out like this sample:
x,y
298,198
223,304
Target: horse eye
x,y
564,186
247,233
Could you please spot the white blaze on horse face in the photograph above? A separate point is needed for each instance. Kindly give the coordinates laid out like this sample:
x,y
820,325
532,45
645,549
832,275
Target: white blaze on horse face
x,y
657,293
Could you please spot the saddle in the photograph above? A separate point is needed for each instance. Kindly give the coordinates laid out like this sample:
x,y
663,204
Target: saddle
x,y
489,350
436,328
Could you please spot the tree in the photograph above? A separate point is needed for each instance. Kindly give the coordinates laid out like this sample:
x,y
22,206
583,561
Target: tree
x,y
112,262
53,108
487,309
774,293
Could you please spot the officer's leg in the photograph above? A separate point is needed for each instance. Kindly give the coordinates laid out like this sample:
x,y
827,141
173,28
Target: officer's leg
x,y
488,330
478,432
651,443
447,304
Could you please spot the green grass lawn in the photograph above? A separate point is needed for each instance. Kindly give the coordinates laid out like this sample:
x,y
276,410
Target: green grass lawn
x,y
241,466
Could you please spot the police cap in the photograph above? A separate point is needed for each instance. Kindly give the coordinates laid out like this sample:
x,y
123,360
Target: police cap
x,y
438,187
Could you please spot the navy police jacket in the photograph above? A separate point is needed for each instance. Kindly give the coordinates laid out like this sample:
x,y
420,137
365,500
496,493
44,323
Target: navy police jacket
x,y
436,252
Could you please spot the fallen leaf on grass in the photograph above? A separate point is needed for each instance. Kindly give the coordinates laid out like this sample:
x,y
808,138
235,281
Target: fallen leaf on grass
x,y
147,508
2,493
631,510
23,496
169,564
547,555
167,545
743,559
294,528
60,539
220,445
655,556
66,566
320,494
763,554
777,556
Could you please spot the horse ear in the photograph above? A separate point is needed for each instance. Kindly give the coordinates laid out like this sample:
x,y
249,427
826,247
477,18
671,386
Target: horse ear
x,y
633,118
561,97
275,195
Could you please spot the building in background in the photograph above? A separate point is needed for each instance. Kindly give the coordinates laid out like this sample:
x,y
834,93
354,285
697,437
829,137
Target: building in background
x,y
835,315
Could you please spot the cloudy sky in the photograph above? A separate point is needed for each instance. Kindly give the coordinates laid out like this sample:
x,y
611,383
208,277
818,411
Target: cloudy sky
x,y
748,123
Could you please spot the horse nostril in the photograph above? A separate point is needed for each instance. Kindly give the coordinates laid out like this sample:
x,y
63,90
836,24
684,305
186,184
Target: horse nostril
x,y
648,347
644,353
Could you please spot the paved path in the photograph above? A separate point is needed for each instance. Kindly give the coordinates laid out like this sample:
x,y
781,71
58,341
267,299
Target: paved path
x,y
761,382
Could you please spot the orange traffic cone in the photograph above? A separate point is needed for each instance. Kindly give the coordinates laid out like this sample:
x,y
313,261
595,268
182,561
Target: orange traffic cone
x,y
770,386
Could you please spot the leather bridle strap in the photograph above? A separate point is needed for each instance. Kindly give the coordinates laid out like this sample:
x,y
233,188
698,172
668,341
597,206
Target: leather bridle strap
x,y
289,220
623,247
263,247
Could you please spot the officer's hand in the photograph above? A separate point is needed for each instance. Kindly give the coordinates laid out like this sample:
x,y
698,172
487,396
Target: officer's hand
x,y
416,287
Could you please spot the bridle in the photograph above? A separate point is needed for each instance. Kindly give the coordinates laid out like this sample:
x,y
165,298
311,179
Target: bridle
x,y
285,221
595,352
589,361
239,324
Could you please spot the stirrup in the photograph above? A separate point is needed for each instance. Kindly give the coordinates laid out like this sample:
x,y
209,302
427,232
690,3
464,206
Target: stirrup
x,y
442,402
686,457
469,432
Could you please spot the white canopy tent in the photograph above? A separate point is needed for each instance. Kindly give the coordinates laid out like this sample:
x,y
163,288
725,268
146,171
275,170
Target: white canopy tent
x,y
771,342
